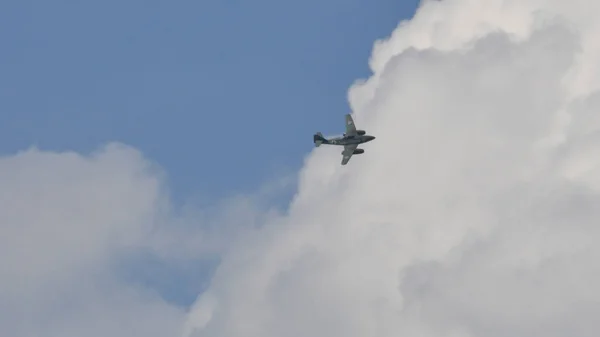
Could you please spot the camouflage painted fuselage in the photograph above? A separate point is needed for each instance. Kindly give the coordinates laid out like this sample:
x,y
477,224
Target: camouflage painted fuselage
x,y
349,140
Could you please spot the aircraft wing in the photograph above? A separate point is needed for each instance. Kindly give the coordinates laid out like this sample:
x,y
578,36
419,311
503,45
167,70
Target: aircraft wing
x,y
348,152
350,127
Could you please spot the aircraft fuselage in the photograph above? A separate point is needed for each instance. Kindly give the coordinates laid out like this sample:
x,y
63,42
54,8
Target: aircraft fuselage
x,y
351,139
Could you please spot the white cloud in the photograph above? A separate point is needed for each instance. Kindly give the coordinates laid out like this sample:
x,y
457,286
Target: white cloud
x,y
64,220
68,223
69,226
474,213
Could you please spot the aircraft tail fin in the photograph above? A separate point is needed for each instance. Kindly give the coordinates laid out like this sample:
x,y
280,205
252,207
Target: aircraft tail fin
x,y
318,139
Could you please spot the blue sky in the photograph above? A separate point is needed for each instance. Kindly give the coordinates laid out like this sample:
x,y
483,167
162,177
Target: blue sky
x,y
222,94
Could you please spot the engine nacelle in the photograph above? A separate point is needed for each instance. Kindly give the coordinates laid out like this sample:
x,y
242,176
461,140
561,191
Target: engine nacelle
x,y
361,132
359,151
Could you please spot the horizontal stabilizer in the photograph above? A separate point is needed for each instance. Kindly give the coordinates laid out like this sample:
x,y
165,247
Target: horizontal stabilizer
x,y
318,139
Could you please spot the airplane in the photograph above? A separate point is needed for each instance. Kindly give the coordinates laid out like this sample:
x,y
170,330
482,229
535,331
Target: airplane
x,y
350,140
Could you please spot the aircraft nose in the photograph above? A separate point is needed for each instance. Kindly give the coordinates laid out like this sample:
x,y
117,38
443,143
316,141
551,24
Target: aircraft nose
x,y
372,137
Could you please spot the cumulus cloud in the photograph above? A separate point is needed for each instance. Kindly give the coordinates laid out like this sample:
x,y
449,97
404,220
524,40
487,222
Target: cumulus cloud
x,y
65,221
70,227
474,213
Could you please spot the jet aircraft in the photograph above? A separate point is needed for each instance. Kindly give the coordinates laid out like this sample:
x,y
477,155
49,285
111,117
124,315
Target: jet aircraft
x,y
350,140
